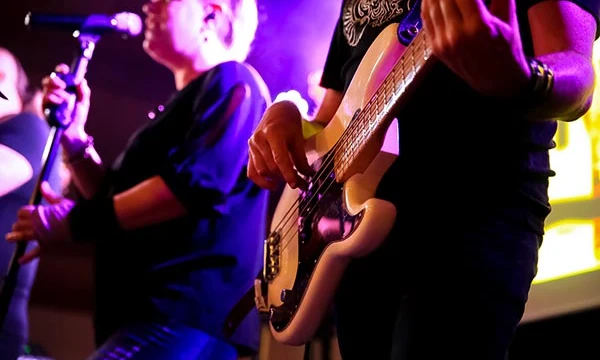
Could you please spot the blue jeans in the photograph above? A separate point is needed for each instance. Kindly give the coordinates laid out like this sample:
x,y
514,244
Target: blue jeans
x,y
13,336
11,346
158,341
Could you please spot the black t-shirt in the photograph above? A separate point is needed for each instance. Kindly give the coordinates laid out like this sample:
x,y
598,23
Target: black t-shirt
x,y
26,134
194,268
459,149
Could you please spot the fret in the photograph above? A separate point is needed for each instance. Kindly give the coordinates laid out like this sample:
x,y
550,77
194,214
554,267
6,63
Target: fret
x,y
375,112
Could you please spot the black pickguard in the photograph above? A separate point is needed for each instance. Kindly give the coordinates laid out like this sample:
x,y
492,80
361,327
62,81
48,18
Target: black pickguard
x,y
323,219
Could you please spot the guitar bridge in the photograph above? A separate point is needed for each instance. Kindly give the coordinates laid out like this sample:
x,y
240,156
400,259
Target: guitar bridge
x,y
271,256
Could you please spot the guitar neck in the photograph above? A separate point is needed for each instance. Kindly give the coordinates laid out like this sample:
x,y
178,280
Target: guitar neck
x,y
378,113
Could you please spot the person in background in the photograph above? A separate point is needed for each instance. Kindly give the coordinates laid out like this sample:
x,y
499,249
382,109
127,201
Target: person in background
x,y
23,136
35,102
470,185
178,227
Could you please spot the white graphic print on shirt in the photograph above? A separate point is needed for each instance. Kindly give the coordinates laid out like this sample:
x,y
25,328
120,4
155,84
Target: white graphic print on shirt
x,y
358,14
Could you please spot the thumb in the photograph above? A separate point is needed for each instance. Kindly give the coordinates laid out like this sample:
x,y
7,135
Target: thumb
x,y
505,10
50,195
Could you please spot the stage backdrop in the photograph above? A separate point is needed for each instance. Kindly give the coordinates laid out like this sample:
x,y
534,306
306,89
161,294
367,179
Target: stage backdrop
x,y
289,51
569,263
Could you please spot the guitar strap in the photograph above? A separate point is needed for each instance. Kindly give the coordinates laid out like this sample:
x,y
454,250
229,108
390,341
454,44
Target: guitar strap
x,y
243,307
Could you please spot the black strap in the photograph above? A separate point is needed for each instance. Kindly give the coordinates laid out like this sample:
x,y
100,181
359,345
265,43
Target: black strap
x,y
241,309
238,313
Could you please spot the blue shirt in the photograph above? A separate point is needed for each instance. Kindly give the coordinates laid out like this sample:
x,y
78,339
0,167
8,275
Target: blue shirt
x,y
195,268
27,134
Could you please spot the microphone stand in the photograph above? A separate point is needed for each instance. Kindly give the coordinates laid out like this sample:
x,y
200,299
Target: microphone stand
x,y
58,120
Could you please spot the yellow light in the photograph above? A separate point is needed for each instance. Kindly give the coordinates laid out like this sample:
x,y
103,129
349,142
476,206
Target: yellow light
x,y
572,242
568,249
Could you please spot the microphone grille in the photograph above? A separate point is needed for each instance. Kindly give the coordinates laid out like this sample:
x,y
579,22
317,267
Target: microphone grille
x,y
129,23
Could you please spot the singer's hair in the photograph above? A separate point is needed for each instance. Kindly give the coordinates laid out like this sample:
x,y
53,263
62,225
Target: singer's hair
x,y
242,28
23,89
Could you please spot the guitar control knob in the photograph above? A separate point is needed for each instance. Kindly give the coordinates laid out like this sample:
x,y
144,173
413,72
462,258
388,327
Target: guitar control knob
x,y
286,295
278,316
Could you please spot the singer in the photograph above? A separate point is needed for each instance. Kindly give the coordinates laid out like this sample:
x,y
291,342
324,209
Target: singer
x,y
177,225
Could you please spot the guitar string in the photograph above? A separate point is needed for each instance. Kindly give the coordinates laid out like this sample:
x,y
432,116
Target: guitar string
x,y
285,242
393,81
336,148
345,134
335,151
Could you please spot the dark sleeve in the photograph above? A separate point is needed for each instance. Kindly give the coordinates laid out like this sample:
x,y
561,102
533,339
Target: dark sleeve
x,y
339,52
207,165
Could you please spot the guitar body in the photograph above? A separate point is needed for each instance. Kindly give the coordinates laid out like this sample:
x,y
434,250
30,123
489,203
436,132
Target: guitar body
x,y
311,246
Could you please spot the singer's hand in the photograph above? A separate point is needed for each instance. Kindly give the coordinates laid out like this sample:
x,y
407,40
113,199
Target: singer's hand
x,y
48,224
54,91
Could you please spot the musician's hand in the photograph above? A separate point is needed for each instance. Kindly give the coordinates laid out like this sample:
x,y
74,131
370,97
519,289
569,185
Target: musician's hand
x,y
481,46
47,224
53,88
276,149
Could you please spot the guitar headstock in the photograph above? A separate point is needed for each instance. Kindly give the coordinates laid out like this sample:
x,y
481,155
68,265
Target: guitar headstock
x,y
410,26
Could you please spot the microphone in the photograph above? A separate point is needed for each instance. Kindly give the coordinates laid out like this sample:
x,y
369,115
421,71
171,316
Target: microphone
x,y
125,23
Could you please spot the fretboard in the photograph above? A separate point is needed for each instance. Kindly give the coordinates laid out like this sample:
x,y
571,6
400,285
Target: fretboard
x,y
376,113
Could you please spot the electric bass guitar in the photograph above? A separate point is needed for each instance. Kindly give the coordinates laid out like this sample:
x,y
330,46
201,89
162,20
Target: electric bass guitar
x,y
316,232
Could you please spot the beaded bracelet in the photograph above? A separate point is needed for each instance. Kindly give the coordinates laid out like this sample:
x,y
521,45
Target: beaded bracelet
x,y
541,82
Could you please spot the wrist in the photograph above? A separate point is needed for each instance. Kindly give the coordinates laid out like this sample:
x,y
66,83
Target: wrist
x,y
74,133
77,146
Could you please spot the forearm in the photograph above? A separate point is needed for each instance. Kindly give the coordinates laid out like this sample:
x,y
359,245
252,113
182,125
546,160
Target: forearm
x,y
328,107
150,202
84,163
571,94
325,112
563,37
